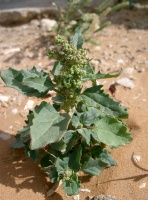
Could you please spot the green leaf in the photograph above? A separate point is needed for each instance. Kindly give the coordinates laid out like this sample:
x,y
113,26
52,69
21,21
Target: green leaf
x,y
103,154
93,77
59,146
89,117
23,135
77,39
47,160
53,174
28,82
72,185
34,154
76,121
70,138
48,125
86,134
61,165
95,97
93,166
56,69
74,159
111,132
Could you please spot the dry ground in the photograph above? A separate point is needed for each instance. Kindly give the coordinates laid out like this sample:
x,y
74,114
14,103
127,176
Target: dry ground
x,y
122,45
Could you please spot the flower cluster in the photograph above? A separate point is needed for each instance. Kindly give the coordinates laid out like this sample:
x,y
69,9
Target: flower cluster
x,y
74,62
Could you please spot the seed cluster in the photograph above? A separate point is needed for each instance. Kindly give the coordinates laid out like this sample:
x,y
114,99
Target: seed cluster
x,y
74,64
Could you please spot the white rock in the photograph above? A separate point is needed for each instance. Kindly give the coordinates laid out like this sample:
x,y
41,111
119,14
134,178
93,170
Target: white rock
x,y
120,61
85,190
128,70
76,197
5,136
136,158
142,185
14,111
4,98
126,82
12,50
47,25
29,105
97,48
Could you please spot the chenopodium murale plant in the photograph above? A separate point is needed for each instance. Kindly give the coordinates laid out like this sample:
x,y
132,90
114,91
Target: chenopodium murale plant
x,y
72,133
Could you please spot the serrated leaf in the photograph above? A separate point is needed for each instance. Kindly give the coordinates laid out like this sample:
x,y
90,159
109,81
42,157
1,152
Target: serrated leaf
x,y
103,154
48,125
93,166
59,146
61,165
95,97
89,117
74,159
91,76
34,154
86,134
111,132
75,121
28,82
72,185
23,135
77,39
56,68
53,174
70,138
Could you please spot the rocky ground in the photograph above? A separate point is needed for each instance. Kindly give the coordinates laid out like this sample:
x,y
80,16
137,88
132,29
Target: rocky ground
x,y
123,45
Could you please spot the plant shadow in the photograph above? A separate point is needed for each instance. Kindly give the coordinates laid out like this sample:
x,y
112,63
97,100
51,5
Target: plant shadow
x,y
19,172
134,178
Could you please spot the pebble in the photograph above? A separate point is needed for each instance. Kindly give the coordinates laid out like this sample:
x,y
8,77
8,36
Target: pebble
x,y
47,25
29,105
136,158
104,197
13,50
142,185
85,190
76,197
126,82
5,136
128,70
120,61
14,111
4,98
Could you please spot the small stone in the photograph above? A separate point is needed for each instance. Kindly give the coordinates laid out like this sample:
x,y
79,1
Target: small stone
x,y
4,98
76,197
85,190
47,25
136,158
120,61
126,82
128,70
12,50
5,136
14,111
142,185
97,48
29,105
104,197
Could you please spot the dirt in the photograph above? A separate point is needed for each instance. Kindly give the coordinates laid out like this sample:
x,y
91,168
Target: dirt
x,y
123,45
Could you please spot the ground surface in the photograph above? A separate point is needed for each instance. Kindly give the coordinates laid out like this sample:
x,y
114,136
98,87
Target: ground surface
x,y
122,45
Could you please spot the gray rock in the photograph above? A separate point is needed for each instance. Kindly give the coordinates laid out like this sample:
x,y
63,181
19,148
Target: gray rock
x,y
104,197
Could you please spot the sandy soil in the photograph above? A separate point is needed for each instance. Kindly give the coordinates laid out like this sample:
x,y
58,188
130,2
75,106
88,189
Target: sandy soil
x,y
122,45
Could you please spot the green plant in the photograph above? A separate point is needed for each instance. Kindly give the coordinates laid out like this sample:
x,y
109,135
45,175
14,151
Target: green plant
x,y
76,14
72,133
